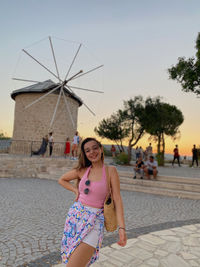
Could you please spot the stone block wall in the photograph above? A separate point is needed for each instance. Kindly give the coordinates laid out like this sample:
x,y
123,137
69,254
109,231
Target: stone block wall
x,y
32,123
13,166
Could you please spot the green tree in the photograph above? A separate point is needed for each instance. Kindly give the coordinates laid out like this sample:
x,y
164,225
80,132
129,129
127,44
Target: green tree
x,y
134,117
162,119
114,129
187,71
126,123
139,117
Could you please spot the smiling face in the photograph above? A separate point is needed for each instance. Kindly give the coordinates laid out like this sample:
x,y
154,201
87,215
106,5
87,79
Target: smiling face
x,y
93,151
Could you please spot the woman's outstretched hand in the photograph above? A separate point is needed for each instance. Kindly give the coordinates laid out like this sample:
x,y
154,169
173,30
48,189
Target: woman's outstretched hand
x,y
122,238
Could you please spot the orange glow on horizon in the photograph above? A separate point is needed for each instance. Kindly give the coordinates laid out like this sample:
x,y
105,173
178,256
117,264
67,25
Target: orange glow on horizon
x,y
184,143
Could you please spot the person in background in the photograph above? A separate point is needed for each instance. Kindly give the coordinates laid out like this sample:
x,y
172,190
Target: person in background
x,y
149,151
43,148
137,153
51,143
176,156
151,168
145,155
75,144
139,168
141,152
67,148
79,142
113,151
194,156
185,159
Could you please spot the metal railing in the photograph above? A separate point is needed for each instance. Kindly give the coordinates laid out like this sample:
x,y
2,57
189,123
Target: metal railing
x,y
23,147
5,145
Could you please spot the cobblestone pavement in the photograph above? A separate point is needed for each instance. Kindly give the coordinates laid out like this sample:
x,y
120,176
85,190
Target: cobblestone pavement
x,y
33,214
176,247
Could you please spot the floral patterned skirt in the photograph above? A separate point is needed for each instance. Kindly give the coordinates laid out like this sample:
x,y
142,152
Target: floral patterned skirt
x,y
79,222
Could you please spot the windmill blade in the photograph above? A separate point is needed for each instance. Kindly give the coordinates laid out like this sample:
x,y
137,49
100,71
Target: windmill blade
x,y
54,58
84,89
40,98
66,81
82,101
71,91
55,110
73,61
68,109
40,64
87,72
89,109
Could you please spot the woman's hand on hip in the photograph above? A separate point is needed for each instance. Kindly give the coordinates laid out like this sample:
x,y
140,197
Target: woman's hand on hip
x,y
76,194
122,238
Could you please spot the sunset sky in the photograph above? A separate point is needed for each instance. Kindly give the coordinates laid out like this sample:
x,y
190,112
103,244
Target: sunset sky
x,y
137,41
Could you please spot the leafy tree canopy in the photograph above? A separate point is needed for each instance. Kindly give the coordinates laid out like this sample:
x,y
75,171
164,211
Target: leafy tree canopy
x,y
134,116
126,123
162,117
187,71
139,117
113,128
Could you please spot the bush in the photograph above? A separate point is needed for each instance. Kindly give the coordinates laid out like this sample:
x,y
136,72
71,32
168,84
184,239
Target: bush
x,y
4,137
122,159
107,152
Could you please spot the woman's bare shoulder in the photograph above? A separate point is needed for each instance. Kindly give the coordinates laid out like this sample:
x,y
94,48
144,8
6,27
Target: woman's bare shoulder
x,y
114,177
112,170
81,172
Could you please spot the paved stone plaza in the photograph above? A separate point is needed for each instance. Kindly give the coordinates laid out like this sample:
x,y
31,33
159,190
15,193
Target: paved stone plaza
x,y
176,247
33,214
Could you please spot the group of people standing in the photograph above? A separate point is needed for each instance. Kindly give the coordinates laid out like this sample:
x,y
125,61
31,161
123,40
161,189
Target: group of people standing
x,y
75,145
145,154
147,165
49,140
195,155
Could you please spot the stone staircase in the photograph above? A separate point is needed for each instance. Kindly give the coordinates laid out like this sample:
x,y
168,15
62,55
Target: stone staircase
x,y
164,185
54,168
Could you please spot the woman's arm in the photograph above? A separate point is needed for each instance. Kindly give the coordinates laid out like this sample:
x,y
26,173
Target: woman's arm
x,y
115,185
66,178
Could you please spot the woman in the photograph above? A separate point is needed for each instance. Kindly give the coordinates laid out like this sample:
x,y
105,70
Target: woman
x,y
43,147
67,147
83,232
113,151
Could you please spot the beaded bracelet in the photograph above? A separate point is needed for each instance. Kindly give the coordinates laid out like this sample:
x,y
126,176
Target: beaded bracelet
x,y
122,228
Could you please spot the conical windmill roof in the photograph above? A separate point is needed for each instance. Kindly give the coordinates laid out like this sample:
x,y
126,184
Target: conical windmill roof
x,y
44,87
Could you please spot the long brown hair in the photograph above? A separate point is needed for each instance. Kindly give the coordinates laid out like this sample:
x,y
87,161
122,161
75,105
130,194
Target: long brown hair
x,y
83,161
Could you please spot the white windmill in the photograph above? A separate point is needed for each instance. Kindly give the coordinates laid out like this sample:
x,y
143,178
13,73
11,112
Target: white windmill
x,y
64,85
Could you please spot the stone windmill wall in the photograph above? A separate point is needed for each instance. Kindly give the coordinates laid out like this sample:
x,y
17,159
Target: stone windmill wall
x,y
33,123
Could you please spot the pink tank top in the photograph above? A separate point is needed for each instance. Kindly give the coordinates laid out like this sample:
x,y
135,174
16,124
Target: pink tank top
x,y
97,190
